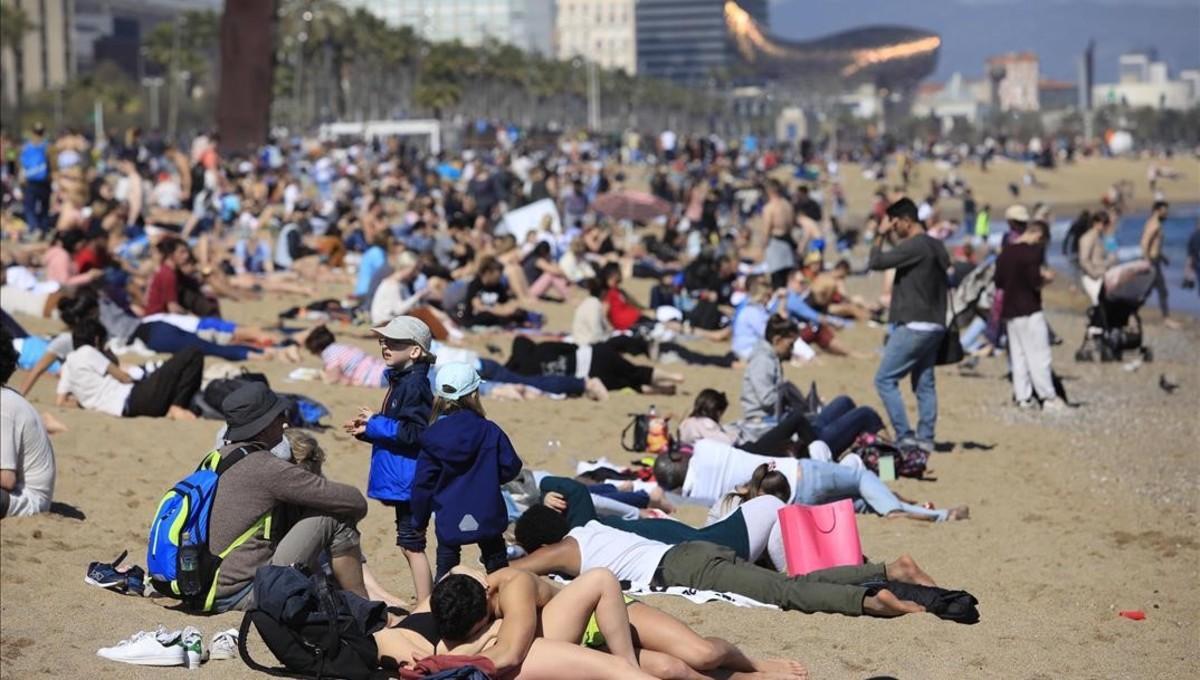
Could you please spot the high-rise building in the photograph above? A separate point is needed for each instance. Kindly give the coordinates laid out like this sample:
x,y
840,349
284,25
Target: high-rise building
x,y
113,30
42,59
527,24
603,31
688,40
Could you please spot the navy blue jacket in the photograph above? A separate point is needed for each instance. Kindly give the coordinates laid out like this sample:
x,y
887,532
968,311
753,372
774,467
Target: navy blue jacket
x,y
464,460
395,433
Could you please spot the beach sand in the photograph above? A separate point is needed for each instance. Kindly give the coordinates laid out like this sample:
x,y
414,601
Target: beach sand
x,y
1074,518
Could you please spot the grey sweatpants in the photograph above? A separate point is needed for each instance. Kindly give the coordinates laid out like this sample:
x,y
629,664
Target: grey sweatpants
x,y
712,567
1029,352
304,543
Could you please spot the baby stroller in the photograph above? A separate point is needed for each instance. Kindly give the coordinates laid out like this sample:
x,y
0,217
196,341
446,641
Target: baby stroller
x,y
1114,326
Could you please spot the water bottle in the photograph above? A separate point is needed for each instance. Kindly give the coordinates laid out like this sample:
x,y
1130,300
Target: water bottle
x,y
189,567
653,411
553,448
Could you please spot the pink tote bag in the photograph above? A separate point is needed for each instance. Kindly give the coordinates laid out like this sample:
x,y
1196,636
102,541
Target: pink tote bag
x,y
819,536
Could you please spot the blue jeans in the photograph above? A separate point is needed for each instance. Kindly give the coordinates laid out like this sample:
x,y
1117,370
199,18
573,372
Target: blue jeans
x,y
911,353
35,199
163,337
973,336
822,482
840,422
554,384
493,553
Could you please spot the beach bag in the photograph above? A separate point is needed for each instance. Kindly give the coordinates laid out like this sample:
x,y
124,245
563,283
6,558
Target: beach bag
x,y
910,461
178,558
646,433
313,630
818,537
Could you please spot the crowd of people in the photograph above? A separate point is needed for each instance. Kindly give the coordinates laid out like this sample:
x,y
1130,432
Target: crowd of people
x,y
138,249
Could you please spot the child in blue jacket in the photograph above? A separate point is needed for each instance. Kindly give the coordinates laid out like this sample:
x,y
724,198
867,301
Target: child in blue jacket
x,y
395,435
464,460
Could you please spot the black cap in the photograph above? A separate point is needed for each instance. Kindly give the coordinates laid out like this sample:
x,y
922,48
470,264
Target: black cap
x,y
251,409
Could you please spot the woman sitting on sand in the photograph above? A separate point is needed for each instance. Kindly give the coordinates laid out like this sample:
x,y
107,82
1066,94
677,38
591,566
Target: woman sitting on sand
x,y
529,627
838,424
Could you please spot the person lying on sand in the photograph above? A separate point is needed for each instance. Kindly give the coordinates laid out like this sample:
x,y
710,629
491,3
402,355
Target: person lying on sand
x,y
536,629
714,469
554,547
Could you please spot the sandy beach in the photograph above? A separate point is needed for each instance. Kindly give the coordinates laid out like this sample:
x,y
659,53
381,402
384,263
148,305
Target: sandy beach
x,y
1073,518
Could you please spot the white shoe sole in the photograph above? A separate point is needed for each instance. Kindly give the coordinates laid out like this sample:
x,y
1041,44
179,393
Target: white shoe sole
x,y
93,582
149,660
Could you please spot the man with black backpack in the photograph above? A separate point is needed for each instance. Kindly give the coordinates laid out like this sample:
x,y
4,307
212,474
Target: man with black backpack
x,y
245,528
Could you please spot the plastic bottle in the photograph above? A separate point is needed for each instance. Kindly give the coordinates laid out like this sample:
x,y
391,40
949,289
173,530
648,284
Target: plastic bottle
x,y
653,411
189,566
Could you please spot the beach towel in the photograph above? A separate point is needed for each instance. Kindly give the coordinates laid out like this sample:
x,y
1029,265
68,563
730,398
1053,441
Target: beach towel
x,y
691,594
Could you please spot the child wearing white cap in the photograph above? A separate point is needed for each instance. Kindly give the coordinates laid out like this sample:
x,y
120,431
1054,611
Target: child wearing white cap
x,y
464,460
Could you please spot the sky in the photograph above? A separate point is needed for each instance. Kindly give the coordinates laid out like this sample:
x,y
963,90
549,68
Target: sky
x,y
972,30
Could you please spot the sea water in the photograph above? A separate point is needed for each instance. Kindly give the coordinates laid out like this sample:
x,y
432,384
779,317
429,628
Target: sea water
x,y
1177,229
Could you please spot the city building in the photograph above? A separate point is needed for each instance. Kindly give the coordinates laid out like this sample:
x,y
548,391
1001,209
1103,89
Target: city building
x,y
958,99
1144,81
113,30
527,24
690,41
42,59
603,31
1015,76
1057,95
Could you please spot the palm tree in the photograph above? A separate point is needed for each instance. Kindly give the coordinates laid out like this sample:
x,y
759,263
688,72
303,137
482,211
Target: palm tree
x,y
14,24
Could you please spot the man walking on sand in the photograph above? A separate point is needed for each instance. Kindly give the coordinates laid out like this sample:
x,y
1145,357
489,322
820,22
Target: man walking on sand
x,y
1152,250
918,315
1020,274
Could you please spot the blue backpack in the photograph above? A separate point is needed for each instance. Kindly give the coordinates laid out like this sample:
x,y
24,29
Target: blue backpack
x,y
187,570
34,162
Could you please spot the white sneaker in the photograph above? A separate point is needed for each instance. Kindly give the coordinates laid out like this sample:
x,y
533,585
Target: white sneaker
x,y
1054,406
148,648
1027,405
192,641
224,645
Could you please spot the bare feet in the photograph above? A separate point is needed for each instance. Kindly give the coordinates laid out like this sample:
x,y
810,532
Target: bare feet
x,y
180,413
905,570
1172,324
961,512
594,389
782,667
507,392
885,604
52,424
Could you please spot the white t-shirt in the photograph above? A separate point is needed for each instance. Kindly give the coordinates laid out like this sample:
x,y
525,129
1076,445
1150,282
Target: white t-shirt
x,y
717,468
85,375
628,556
25,447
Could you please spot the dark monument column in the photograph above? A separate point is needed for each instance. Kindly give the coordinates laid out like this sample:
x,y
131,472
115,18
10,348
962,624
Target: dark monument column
x,y
247,65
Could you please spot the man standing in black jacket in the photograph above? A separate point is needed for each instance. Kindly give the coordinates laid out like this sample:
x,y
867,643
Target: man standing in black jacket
x,y
917,315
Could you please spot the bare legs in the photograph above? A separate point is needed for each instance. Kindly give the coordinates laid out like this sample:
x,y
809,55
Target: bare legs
x,y
667,636
596,591
422,575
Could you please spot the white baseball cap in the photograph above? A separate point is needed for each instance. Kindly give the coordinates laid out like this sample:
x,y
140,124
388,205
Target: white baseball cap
x,y
456,380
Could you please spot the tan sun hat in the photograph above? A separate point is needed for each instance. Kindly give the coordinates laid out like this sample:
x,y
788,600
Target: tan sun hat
x,y
1017,213
408,329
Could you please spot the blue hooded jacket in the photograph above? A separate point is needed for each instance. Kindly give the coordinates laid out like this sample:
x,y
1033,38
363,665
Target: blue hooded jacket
x,y
395,433
464,460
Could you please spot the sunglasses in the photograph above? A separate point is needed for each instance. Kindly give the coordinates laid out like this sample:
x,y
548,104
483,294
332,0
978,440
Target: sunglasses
x,y
395,344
